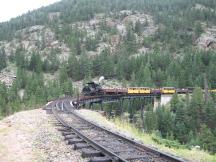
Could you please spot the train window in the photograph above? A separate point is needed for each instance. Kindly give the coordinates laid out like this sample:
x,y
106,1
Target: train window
x,y
144,88
133,88
168,88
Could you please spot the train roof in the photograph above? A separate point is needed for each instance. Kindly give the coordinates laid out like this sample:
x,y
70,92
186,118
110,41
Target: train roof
x,y
138,87
91,83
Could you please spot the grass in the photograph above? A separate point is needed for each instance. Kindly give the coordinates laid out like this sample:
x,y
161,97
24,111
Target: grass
x,y
148,139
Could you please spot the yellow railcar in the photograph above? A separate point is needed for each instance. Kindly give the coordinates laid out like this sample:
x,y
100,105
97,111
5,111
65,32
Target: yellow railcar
x,y
145,90
168,90
133,90
139,90
212,90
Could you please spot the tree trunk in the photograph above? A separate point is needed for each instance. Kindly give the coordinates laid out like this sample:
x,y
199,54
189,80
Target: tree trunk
x,y
206,88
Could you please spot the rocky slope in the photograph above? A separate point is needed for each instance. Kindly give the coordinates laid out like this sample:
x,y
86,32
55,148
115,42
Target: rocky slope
x,y
207,40
39,39
106,30
44,40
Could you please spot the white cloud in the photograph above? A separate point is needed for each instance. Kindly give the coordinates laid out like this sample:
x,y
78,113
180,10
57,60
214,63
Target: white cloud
x,y
13,8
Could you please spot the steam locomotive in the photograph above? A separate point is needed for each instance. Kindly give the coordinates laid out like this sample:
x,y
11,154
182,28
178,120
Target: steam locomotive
x,y
93,89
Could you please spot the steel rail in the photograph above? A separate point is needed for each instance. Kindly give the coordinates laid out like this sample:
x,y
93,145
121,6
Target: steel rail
x,y
138,145
107,153
111,155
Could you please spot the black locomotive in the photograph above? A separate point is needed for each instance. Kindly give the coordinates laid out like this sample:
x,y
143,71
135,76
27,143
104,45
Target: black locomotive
x,y
91,89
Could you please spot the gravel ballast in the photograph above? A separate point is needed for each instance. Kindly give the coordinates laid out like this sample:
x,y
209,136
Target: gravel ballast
x,y
32,136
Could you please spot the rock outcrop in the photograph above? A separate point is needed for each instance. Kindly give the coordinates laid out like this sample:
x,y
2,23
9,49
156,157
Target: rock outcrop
x,y
207,40
39,39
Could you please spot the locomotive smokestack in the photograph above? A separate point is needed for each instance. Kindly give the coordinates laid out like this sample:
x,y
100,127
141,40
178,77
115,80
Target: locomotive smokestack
x,y
101,79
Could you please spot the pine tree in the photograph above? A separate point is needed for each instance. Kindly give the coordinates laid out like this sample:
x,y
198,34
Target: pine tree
x,y
130,40
210,114
20,58
133,80
73,67
3,61
21,78
174,103
181,125
3,99
67,88
207,139
53,61
150,122
147,77
196,109
138,27
165,121
108,65
35,63
63,76
144,76
198,29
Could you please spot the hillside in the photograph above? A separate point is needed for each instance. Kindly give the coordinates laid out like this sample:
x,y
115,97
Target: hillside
x,y
63,33
51,52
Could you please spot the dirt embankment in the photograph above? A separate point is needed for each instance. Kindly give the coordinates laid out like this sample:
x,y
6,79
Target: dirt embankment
x,y
31,136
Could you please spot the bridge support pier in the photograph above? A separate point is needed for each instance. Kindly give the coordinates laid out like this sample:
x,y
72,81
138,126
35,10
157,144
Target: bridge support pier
x,y
90,105
121,101
142,114
162,100
131,103
157,102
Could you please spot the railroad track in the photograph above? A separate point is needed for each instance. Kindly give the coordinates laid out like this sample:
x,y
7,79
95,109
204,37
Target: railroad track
x,y
99,144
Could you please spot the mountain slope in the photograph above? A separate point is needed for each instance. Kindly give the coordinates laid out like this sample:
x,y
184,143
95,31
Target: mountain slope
x,y
67,32
148,43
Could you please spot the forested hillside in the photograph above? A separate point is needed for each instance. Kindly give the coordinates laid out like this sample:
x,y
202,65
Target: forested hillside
x,y
115,32
153,43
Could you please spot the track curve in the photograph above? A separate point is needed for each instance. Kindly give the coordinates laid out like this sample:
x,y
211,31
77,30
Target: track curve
x,y
100,144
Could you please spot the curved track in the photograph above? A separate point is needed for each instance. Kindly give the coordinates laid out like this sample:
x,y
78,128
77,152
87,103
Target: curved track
x,y
100,144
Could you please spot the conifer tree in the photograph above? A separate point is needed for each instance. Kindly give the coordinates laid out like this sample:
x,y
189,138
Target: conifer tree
x,y
150,121
20,58
63,76
3,99
138,27
3,61
196,109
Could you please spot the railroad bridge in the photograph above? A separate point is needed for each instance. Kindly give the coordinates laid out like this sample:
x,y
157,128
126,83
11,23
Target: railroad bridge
x,y
94,93
155,99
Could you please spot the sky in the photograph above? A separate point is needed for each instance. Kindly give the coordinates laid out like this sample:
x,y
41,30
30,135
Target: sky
x,y
13,8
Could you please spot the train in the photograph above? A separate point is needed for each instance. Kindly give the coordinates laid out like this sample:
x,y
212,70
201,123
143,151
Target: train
x,y
93,89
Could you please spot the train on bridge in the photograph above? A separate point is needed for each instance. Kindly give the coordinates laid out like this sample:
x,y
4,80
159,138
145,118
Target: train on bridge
x,y
93,89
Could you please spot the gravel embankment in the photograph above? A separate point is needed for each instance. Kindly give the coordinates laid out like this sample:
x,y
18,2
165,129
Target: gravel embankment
x,y
31,136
